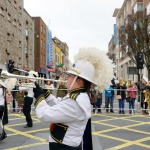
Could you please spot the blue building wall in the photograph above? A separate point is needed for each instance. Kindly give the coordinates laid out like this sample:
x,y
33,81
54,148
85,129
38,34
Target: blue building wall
x,y
48,47
115,34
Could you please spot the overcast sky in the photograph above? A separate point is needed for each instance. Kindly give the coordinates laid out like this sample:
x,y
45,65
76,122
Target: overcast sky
x,y
79,23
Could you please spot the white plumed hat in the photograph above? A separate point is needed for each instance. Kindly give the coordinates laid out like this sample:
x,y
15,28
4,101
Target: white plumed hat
x,y
94,66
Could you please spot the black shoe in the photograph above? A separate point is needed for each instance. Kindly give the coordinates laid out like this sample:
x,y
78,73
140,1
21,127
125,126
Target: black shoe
x,y
3,136
123,112
26,126
120,112
111,111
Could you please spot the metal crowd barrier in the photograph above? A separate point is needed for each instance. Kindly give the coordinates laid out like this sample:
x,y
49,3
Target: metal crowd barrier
x,y
137,104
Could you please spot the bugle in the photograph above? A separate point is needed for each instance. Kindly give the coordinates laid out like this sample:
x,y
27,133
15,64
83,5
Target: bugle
x,y
28,85
5,74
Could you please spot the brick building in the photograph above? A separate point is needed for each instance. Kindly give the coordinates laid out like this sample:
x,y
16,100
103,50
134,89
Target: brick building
x,y
39,45
12,33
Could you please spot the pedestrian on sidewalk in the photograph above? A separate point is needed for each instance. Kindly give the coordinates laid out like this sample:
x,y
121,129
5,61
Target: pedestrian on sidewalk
x,y
70,117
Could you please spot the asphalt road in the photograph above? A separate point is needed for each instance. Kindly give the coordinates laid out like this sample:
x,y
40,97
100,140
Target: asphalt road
x,y
110,132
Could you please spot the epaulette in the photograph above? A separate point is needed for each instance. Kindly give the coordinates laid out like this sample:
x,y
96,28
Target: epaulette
x,y
47,93
74,95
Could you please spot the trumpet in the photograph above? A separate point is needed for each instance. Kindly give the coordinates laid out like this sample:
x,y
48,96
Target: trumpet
x,y
32,85
5,74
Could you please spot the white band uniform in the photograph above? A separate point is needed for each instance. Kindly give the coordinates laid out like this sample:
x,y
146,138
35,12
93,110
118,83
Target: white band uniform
x,y
79,110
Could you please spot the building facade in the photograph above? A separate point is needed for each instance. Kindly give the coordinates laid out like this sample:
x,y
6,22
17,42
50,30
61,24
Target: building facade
x,y
61,55
123,15
39,45
12,34
28,42
11,29
49,54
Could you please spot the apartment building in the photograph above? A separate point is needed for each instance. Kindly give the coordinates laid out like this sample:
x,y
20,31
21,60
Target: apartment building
x,y
39,45
128,9
11,29
12,34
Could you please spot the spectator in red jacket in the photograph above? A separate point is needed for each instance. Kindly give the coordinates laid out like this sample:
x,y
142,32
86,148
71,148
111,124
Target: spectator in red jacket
x,y
132,92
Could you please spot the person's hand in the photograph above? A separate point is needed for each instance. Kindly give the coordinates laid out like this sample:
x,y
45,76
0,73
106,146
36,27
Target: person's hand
x,y
38,90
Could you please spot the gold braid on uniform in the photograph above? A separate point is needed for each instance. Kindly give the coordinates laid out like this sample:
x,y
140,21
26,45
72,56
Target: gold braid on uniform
x,y
39,99
47,93
74,93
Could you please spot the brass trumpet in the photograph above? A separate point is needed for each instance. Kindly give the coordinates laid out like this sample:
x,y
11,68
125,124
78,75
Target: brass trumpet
x,y
5,74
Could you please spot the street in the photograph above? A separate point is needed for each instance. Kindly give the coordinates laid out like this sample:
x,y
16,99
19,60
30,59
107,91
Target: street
x,y
110,132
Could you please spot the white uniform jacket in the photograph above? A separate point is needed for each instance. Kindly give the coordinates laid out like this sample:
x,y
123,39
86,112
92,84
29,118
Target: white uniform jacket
x,y
73,113
28,89
1,97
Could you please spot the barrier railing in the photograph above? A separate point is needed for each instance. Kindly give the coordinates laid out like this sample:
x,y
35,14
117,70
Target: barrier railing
x,y
111,104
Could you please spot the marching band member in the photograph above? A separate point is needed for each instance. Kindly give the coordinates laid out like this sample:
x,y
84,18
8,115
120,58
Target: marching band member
x,y
7,84
28,99
69,117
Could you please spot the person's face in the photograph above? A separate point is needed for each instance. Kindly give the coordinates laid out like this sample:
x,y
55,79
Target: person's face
x,y
132,83
48,82
69,78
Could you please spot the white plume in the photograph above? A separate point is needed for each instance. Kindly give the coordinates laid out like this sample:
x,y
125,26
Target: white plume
x,y
103,65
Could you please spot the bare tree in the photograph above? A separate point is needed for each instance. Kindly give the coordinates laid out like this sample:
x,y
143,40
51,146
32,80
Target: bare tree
x,y
137,37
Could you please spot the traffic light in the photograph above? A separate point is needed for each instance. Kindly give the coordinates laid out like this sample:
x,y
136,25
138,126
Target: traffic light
x,y
10,66
140,60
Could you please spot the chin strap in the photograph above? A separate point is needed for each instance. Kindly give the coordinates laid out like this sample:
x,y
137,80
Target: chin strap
x,y
74,80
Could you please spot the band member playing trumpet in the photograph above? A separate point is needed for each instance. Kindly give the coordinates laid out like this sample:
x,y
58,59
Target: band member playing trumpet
x,y
69,117
28,100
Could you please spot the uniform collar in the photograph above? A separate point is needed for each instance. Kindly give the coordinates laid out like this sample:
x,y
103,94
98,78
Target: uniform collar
x,y
77,90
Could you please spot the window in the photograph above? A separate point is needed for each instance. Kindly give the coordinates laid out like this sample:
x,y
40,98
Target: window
x,y
19,44
148,28
9,17
148,9
138,7
26,50
27,23
8,37
15,4
2,11
15,23
20,27
26,32
20,9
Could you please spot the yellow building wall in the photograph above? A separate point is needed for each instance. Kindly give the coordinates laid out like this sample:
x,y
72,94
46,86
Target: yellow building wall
x,y
58,50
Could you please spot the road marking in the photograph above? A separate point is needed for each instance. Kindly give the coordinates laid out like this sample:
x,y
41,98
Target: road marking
x,y
25,134
26,146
